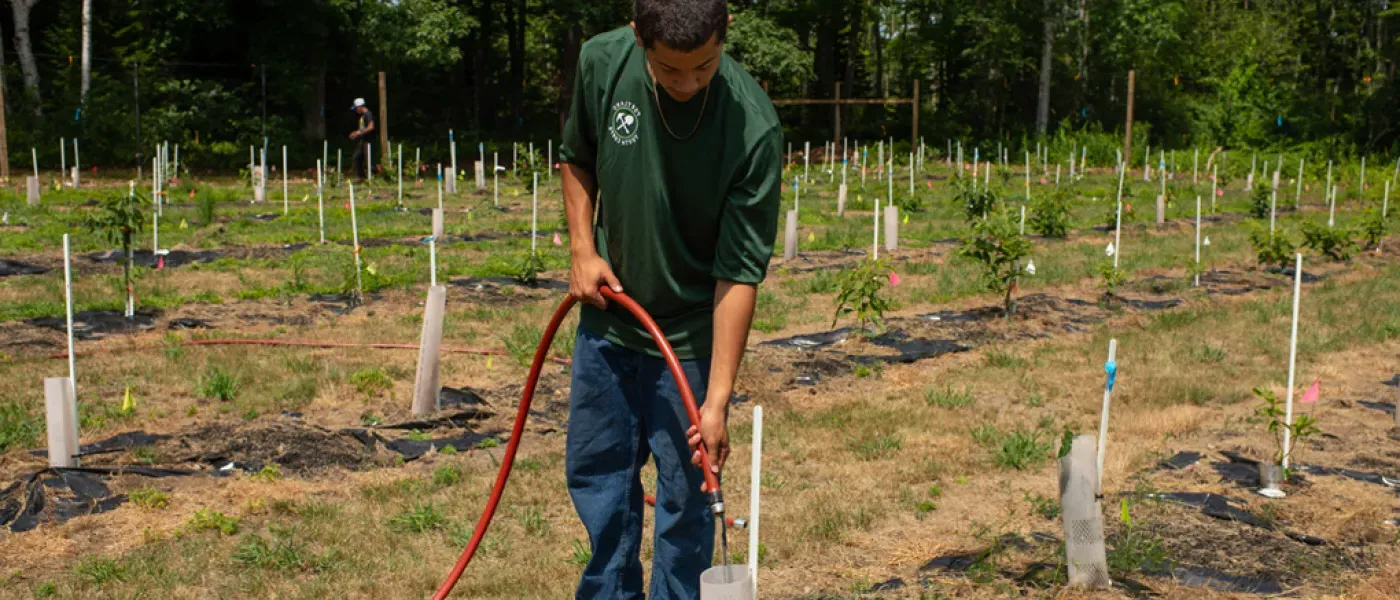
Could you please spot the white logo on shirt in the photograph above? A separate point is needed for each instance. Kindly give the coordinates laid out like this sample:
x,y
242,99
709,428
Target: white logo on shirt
x,y
626,120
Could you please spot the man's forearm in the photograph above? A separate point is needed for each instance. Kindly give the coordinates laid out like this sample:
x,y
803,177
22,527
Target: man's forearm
x,y
580,191
734,306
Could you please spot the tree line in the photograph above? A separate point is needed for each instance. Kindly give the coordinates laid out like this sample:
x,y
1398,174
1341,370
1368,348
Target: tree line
x,y
221,75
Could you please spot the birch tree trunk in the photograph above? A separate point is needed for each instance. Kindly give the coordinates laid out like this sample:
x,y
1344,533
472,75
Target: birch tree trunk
x,y
25,49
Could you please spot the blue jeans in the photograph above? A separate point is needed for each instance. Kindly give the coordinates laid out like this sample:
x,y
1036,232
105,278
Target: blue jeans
x,y
624,407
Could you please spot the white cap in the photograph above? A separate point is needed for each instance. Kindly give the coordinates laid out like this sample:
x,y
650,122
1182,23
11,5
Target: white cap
x,y
358,103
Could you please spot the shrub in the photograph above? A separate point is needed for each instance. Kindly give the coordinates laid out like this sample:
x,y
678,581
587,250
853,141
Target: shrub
x,y
204,210
1276,249
1373,228
977,202
996,245
1261,202
1110,278
1332,242
1050,214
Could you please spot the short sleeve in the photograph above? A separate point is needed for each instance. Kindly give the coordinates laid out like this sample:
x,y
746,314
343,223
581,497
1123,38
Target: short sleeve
x,y
580,143
749,224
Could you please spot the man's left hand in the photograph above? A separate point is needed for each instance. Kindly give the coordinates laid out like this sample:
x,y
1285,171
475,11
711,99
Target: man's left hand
x,y
713,432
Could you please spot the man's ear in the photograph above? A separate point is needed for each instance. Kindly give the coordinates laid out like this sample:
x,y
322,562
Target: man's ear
x,y
731,19
638,36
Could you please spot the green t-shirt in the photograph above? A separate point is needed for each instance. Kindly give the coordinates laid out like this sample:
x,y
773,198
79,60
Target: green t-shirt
x,y
674,216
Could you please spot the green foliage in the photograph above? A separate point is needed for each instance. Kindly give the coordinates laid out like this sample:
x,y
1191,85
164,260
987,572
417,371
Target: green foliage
x,y
208,519
1333,242
219,383
418,518
269,473
1373,227
204,209
1021,450
97,570
118,219
1133,551
1273,410
883,445
978,201
284,553
1276,249
1110,278
859,293
523,342
947,397
769,52
446,475
149,498
371,380
1045,507
996,245
1049,214
1261,202
580,554
18,428
530,269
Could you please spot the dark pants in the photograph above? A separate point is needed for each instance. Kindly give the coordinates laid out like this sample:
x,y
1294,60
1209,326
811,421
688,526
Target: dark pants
x,y
623,407
360,160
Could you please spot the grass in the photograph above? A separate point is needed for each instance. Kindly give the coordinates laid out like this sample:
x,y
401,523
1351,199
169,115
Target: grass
x,y
948,397
828,442
371,381
18,428
218,383
418,518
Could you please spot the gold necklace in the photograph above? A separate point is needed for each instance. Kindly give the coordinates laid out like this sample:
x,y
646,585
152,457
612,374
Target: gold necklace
x,y
704,103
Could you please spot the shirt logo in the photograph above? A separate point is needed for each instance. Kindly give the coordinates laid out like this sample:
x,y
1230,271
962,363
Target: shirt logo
x,y
626,120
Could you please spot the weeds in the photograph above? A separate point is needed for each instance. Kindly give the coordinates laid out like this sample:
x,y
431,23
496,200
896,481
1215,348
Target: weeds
x,y
149,498
1020,450
96,570
218,383
208,519
419,518
947,397
18,428
1133,551
371,380
880,446
284,553
533,521
1045,507
581,554
447,475
522,342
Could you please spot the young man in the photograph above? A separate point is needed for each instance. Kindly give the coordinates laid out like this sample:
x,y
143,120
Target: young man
x,y
361,158
676,148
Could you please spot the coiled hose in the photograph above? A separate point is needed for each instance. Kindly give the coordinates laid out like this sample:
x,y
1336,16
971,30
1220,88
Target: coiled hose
x,y
541,355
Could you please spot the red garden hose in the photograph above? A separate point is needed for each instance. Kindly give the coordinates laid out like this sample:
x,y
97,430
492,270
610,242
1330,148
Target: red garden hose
x,y
541,354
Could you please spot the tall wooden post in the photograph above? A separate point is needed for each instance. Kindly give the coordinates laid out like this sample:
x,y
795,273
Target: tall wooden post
x,y
915,139
383,119
838,113
1128,136
4,145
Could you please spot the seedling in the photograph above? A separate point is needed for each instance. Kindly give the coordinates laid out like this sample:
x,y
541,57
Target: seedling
x,y
1260,204
1273,412
1135,551
996,245
530,269
977,202
858,293
118,220
1110,279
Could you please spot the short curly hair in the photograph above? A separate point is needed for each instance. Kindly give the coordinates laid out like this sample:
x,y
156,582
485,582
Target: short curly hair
x,y
682,25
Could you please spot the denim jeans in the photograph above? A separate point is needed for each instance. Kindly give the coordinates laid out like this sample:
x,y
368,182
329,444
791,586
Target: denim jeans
x,y
623,407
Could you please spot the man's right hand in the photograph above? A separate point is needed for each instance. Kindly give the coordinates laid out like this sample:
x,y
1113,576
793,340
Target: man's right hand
x,y
588,273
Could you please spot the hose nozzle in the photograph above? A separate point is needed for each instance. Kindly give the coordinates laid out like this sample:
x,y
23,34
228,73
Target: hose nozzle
x,y
717,503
